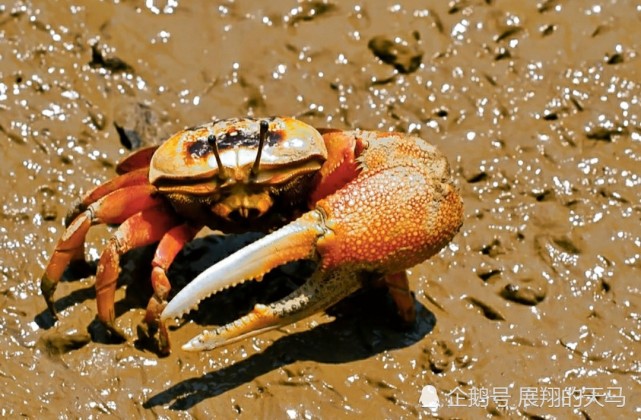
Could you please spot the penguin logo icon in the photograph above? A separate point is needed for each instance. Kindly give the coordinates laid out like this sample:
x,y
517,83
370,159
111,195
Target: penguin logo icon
x,y
429,398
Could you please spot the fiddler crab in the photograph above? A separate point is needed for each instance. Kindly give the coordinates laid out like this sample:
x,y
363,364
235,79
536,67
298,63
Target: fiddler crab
x,y
362,204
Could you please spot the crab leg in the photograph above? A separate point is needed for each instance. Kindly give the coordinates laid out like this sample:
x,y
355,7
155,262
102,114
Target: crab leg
x,y
138,177
398,288
170,245
143,228
113,208
137,160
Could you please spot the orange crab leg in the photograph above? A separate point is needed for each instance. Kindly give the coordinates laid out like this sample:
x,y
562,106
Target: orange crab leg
x,y
137,160
341,165
137,177
399,288
170,245
143,228
113,208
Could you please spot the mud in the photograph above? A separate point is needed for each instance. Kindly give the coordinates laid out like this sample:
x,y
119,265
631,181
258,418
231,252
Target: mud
x,y
532,311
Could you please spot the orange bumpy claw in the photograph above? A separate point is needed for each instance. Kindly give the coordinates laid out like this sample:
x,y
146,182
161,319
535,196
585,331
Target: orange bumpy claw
x,y
380,203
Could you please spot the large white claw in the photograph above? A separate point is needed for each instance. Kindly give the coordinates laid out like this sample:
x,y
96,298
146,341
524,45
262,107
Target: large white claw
x,y
321,290
292,242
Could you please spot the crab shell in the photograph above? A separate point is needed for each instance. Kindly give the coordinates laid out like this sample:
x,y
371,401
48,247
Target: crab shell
x,y
223,176
186,163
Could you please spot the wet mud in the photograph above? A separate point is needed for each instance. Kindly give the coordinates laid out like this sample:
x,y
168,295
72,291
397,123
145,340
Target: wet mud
x,y
533,311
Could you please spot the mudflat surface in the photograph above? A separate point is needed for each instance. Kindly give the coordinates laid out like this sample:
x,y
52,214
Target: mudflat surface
x,y
533,310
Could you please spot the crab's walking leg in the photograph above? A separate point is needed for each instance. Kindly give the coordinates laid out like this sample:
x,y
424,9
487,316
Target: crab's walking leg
x,y
113,208
399,289
143,228
138,177
137,160
170,245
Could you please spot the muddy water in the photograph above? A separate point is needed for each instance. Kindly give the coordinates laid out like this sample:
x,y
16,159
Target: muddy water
x,y
533,310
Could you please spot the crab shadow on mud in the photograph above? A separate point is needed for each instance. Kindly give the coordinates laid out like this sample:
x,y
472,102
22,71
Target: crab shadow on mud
x,y
364,326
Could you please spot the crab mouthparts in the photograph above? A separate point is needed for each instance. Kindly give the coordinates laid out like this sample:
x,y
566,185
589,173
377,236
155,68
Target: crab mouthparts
x,y
294,241
242,206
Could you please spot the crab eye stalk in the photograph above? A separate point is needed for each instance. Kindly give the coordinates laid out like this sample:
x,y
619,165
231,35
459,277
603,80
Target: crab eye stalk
x,y
264,128
214,145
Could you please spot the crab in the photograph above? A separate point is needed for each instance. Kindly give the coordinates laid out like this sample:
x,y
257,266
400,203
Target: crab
x,y
362,204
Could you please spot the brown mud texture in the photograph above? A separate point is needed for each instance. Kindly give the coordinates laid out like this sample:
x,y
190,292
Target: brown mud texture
x,y
533,311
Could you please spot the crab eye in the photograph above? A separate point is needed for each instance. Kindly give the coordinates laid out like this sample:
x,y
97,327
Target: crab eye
x,y
213,143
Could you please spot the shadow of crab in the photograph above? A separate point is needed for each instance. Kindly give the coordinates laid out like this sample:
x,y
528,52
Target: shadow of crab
x,y
362,328
365,324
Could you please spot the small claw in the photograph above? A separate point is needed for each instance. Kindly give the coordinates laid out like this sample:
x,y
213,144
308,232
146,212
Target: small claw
x,y
293,242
